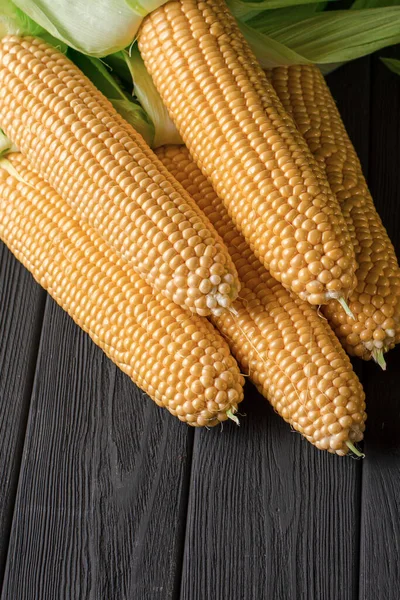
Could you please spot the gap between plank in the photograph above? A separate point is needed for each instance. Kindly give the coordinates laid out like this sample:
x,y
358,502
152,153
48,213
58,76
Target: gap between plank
x,y
183,511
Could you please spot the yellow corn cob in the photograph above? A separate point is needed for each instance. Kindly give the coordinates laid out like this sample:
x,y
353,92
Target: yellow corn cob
x,y
375,302
176,357
289,351
242,139
77,142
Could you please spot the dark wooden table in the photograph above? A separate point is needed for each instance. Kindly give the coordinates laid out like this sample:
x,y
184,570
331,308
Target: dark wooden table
x,y
105,496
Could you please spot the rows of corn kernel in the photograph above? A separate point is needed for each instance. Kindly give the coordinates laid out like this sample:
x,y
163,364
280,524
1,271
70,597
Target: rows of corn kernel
x,y
235,127
375,301
110,176
174,356
291,354
128,240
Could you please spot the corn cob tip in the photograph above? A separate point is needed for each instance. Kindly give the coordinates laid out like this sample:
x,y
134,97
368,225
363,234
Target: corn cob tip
x,y
381,342
367,337
377,355
223,291
355,450
338,443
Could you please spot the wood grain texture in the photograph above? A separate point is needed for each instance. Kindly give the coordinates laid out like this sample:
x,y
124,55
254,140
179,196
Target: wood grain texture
x,y
268,513
380,511
271,517
21,313
99,511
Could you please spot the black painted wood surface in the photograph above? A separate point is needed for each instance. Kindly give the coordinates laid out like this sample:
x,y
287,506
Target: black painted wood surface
x,y
21,314
105,496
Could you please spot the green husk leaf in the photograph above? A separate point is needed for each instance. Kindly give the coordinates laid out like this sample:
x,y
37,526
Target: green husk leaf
x,y
393,64
95,27
154,122
118,66
269,52
14,21
337,36
11,170
145,91
98,73
104,81
136,116
329,67
283,17
6,145
244,10
360,4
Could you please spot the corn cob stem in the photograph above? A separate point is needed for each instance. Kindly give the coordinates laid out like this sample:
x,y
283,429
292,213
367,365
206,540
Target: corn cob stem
x,y
96,161
176,357
230,414
242,139
355,450
378,356
374,325
289,352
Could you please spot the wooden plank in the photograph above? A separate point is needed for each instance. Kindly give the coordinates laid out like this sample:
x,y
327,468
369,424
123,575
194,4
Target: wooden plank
x,y
380,522
101,503
269,515
21,313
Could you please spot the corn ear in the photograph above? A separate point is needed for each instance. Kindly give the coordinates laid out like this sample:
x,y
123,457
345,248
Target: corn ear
x,y
243,140
286,347
177,358
375,303
75,140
